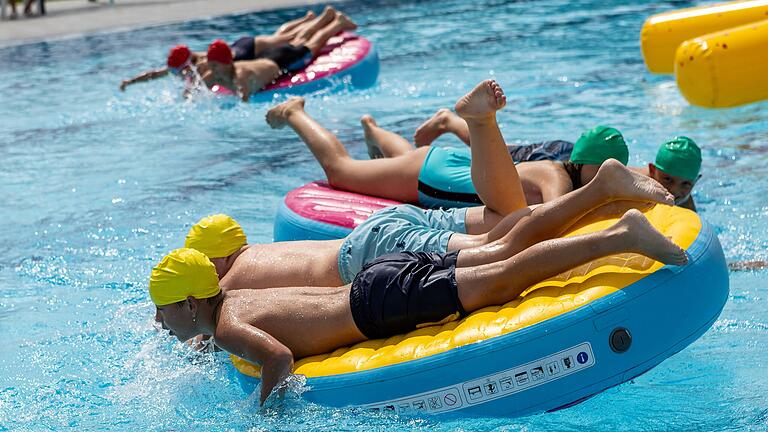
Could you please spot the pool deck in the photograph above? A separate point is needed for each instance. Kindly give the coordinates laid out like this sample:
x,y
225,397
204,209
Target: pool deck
x,y
71,18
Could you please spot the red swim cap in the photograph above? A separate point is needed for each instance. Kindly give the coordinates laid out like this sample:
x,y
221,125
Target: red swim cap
x,y
219,52
178,55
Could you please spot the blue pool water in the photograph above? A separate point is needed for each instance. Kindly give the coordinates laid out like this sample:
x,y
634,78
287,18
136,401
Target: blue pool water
x,y
96,185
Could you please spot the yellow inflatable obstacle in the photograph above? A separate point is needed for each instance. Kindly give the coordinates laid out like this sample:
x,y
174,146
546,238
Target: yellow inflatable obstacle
x,y
725,69
663,33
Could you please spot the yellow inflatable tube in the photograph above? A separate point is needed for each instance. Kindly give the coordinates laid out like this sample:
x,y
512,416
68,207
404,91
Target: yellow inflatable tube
x,y
725,69
663,33
538,303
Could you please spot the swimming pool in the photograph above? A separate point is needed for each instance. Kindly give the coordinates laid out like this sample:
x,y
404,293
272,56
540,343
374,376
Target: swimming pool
x,y
97,185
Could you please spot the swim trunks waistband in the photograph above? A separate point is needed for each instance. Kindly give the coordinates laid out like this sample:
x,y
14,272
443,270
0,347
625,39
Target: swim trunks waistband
x,y
436,198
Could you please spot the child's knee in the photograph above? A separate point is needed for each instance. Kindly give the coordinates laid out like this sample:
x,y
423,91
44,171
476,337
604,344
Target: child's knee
x,y
337,171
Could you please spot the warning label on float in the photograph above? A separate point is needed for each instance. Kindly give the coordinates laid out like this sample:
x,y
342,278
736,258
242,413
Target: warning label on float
x,y
442,400
497,385
529,375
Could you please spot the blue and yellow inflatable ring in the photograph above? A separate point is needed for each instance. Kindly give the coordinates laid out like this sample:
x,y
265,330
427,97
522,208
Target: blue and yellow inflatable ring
x,y
562,341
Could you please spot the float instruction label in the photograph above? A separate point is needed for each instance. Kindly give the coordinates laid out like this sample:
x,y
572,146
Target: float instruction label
x,y
494,386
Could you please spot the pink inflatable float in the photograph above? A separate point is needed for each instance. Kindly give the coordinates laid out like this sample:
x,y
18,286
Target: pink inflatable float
x,y
316,211
348,60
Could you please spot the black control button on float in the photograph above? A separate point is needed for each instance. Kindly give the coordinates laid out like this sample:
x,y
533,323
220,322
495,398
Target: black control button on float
x,y
620,340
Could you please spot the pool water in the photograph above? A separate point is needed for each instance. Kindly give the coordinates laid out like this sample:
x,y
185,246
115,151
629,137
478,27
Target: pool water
x,y
96,185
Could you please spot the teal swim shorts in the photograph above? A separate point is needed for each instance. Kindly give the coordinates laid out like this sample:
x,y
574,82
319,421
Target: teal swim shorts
x,y
397,229
445,179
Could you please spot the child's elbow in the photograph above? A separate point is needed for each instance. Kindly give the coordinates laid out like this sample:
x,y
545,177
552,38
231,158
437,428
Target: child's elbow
x,y
284,356
278,355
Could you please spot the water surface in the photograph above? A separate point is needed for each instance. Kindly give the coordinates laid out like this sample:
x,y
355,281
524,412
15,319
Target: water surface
x,y
96,185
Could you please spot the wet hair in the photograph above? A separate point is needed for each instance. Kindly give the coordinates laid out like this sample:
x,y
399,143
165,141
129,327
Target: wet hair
x,y
574,172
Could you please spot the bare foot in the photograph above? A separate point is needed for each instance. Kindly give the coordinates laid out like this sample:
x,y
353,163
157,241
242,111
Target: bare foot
x,y
309,15
643,238
431,129
620,182
277,117
346,22
368,123
482,102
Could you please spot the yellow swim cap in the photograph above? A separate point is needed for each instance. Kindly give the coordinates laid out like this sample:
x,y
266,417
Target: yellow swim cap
x,y
216,236
181,274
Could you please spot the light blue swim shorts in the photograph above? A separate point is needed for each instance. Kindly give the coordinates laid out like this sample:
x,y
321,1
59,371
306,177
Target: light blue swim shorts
x,y
397,229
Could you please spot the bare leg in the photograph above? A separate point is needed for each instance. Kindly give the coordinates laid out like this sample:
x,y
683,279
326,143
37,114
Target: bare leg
x,y
394,178
294,30
613,183
291,26
14,12
318,40
388,144
502,281
260,43
611,210
444,121
308,30
491,161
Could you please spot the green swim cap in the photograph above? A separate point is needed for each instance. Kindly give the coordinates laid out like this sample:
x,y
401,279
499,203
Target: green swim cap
x,y
680,157
599,144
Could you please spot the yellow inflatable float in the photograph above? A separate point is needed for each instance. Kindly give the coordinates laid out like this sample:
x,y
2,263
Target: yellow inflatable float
x,y
562,341
726,68
662,34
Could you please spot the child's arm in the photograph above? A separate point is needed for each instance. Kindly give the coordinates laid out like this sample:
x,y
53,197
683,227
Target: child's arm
x,y
257,347
243,83
144,76
256,75
245,91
